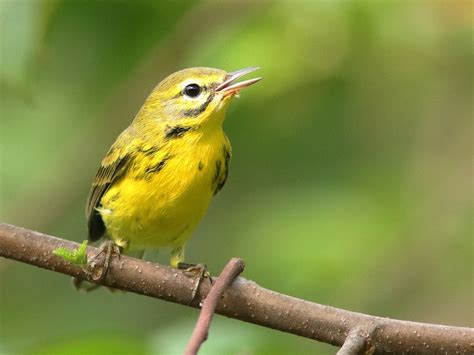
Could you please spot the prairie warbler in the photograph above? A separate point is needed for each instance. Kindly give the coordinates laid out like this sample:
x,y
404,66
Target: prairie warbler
x,y
158,178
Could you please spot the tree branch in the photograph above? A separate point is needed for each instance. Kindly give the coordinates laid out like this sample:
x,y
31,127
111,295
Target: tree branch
x,y
243,300
201,330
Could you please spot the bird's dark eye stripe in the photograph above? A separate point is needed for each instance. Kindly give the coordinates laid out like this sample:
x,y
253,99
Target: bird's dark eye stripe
x,y
198,110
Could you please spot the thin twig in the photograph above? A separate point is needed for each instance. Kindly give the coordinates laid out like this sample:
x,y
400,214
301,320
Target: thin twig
x,y
355,343
244,300
201,330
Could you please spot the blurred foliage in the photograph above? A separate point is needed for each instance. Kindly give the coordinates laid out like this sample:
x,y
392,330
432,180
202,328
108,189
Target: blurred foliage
x,y
351,178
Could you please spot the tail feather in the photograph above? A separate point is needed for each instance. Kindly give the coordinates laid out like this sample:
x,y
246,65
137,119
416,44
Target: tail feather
x,y
96,227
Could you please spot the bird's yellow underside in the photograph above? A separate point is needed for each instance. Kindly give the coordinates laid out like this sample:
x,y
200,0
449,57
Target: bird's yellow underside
x,y
162,208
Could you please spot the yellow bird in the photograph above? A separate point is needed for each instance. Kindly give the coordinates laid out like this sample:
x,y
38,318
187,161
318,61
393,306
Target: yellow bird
x,y
158,178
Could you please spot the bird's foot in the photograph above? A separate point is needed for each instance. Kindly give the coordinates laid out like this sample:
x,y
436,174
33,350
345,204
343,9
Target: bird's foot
x,y
199,271
98,266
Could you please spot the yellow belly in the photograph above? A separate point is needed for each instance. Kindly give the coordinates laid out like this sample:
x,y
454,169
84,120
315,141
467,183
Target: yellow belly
x,y
161,208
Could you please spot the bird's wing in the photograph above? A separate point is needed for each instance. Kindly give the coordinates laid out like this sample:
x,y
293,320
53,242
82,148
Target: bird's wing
x,y
112,167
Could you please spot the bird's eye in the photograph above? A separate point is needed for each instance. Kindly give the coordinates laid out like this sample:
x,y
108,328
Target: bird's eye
x,y
192,90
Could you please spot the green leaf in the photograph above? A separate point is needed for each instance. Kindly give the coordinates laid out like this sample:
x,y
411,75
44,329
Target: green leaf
x,y
78,256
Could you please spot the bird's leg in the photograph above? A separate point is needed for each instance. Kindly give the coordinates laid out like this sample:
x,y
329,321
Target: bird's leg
x,y
197,270
99,267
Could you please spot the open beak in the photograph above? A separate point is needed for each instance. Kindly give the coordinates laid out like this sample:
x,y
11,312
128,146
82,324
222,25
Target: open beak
x,y
228,87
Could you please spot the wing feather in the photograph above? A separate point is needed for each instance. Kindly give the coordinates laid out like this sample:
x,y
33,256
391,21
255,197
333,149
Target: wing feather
x,y
113,166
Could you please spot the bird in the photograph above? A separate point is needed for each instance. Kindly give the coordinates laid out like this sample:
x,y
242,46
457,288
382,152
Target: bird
x,y
158,178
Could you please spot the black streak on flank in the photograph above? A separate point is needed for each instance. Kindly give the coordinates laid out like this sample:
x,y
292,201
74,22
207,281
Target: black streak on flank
x,y
200,165
115,197
148,150
194,112
217,175
226,153
153,169
175,131
225,173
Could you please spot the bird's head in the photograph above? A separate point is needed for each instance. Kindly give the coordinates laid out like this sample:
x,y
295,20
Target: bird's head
x,y
195,96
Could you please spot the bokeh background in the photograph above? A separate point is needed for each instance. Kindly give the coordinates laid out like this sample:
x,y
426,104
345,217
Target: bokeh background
x,y
350,185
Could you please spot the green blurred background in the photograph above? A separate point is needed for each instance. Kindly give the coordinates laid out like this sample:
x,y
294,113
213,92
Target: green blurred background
x,y
350,185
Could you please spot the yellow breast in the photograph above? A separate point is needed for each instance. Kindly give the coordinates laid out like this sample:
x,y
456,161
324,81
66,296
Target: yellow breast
x,y
166,190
